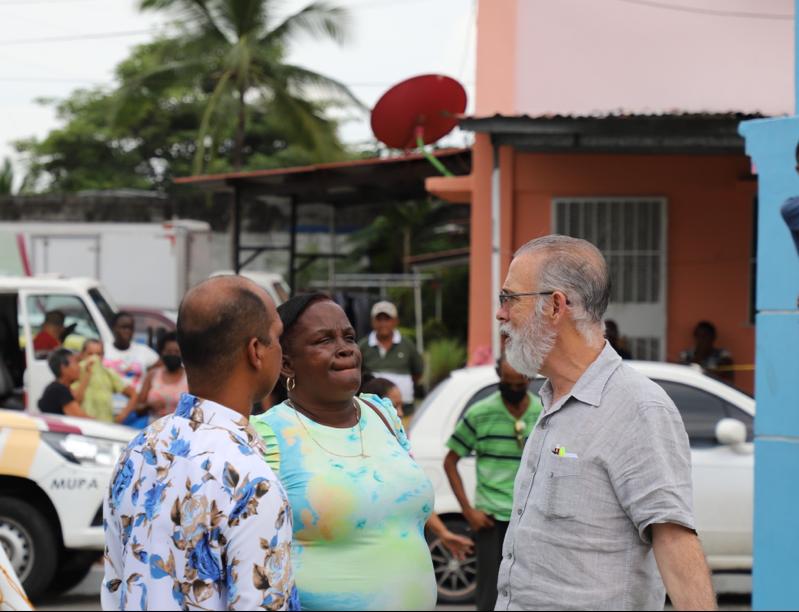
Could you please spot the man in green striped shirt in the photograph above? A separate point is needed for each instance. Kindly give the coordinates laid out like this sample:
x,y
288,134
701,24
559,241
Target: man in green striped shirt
x,y
495,429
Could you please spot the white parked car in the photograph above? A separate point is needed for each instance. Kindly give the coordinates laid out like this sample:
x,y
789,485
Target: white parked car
x,y
719,421
54,472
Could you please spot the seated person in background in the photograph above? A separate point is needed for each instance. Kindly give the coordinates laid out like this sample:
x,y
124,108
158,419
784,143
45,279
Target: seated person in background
x,y
612,334
50,335
707,355
98,400
57,397
165,383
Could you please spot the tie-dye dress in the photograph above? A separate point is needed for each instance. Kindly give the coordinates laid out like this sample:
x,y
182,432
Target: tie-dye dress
x,y
358,521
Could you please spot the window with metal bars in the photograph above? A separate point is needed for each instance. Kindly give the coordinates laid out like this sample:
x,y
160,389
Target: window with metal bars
x,y
628,231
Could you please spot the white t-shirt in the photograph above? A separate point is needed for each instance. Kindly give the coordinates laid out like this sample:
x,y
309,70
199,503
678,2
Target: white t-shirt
x,y
131,364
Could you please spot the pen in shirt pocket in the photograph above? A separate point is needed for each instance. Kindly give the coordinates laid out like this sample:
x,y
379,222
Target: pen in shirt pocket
x,y
560,451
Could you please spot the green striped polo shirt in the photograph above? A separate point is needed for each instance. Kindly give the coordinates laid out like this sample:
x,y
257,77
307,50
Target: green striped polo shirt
x,y
489,430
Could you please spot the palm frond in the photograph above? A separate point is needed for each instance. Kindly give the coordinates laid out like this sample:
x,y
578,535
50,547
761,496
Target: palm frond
x,y
318,18
300,77
199,155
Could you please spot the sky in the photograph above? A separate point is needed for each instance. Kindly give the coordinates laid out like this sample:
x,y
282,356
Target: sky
x,y
391,40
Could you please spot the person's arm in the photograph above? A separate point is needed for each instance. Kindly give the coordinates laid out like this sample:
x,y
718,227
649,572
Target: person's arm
x,y
83,382
458,545
133,402
258,550
142,407
73,409
725,364
683,567
476,518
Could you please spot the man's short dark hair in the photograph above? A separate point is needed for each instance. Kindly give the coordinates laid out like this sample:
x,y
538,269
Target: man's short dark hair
x,y
167,337
211,343
58,360
120,315
706,326
54,317
378,386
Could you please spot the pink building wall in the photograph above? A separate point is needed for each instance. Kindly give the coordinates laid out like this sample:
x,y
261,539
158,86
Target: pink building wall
x,y
605,56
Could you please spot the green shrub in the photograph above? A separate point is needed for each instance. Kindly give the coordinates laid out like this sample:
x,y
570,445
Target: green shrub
x,y
441,358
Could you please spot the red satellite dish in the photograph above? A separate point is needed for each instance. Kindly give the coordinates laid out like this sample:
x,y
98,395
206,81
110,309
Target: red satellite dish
x,y
418,111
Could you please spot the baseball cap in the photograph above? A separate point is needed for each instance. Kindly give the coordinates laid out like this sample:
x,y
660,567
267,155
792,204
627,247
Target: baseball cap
x,y
386,308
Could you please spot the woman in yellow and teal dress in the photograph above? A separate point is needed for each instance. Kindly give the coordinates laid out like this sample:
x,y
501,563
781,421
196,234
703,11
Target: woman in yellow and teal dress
x,y
360,501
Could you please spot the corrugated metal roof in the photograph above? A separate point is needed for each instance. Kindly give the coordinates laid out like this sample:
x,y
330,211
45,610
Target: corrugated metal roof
x,y
622,114
343,165
635,133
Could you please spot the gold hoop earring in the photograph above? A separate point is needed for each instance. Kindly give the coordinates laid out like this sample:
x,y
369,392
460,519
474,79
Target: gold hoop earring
x,y
291,384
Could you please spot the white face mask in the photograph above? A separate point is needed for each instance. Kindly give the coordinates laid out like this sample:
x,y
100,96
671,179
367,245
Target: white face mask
x,y
527,348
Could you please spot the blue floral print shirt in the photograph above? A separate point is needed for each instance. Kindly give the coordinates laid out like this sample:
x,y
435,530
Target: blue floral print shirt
x,y
195,519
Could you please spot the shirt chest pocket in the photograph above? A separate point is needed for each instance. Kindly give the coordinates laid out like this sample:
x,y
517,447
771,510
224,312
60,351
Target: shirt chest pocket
x,y
560,492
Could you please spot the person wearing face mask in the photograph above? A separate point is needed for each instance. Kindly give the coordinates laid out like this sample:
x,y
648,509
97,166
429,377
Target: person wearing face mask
x,y
495,429
164,384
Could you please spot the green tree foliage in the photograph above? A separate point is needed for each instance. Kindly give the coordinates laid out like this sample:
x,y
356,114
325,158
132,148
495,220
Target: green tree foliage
x,y
408,228
415,228
217,95
441,358
238,48
6,177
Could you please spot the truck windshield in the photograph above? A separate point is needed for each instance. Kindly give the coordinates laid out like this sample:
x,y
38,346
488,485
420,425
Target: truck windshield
x,y
104,305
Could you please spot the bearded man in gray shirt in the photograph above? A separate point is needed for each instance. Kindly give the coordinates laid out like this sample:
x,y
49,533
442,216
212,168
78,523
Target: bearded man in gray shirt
x,y
603,511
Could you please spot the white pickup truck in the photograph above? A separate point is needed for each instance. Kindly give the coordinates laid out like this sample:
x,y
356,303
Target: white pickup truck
x,y
53,470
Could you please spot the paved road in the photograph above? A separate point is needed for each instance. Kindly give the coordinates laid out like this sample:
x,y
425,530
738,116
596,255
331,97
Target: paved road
x,y
85,597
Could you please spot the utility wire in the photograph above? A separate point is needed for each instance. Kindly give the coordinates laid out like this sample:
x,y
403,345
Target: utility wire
x,y
682,8
74,37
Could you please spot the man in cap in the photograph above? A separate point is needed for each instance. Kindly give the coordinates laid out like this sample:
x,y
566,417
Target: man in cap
x,y
386,354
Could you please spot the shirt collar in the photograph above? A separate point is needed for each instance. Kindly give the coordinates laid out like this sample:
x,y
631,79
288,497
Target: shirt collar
x,y
589,387
206,412
395,340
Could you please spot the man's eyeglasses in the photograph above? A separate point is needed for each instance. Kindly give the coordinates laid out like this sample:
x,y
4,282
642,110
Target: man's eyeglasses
x,y
505,296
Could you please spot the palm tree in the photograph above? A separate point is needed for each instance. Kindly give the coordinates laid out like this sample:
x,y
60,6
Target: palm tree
x,y
6,177
238,48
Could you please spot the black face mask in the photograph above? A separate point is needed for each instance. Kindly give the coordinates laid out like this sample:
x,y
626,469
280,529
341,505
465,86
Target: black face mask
x,y
513,396
172,362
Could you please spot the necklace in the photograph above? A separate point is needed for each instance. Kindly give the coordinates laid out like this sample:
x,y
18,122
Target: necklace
x,y
519,427
315,441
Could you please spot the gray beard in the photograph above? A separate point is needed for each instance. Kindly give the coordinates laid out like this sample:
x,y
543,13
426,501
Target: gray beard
x,y
527,348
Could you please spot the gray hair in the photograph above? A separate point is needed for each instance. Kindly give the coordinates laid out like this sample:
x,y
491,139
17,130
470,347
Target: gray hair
x,y
578,269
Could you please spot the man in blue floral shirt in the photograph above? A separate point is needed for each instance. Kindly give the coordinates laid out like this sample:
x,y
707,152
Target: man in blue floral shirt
x,y
194,517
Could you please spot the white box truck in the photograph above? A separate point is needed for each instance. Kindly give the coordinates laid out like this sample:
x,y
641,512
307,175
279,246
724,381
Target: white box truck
x,y
147,265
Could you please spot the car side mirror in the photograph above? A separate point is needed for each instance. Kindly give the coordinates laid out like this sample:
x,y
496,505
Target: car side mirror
x,y
731,432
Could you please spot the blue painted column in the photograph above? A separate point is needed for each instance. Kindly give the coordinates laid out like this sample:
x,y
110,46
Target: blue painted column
x,y
772,146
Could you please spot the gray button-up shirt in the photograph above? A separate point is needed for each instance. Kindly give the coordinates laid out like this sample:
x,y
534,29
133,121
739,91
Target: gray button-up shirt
x,y
603,464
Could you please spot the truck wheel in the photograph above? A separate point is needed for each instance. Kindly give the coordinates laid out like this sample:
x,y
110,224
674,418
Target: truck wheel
x,y
30,543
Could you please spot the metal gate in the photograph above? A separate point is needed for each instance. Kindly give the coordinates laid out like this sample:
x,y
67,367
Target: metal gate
x,y
631,233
